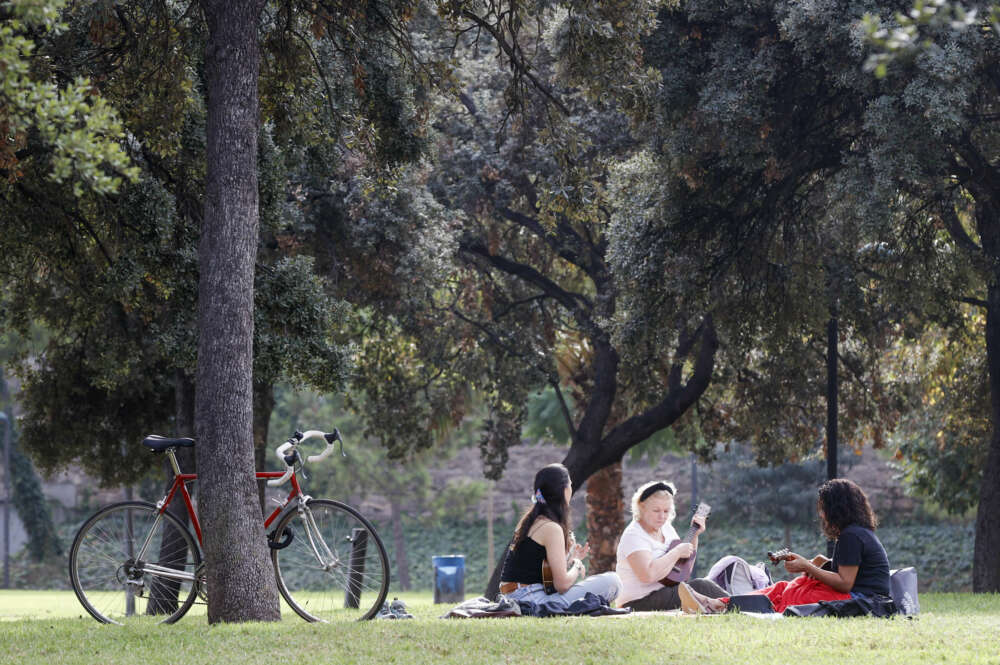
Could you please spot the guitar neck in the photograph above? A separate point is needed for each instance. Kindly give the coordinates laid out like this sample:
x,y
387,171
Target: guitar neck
x,y
702,511
689,536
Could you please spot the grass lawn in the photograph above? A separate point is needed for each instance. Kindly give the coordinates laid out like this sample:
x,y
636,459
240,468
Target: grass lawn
x,y
51,627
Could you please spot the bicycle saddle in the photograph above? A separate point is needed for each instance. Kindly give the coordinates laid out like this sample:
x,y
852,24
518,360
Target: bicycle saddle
x,y
158,443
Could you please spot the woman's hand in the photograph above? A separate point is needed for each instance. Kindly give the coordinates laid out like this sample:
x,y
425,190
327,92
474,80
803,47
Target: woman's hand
x,y
684,550
796,564
577,551
699,521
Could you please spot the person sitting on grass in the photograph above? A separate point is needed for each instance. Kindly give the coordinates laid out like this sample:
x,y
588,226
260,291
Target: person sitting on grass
x,y
859,568
543,535
643,559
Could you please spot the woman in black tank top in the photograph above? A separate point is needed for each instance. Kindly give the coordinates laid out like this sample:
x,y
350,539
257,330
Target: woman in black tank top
x,y
543,541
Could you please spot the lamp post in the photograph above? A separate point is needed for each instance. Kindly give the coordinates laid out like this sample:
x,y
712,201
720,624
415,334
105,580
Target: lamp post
x,y
6,502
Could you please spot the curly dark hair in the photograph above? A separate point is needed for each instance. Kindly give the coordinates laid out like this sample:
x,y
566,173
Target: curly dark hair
x,y
842,503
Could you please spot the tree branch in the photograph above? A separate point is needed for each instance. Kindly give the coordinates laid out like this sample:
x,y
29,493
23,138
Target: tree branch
x,y
574,302
663,414
515,62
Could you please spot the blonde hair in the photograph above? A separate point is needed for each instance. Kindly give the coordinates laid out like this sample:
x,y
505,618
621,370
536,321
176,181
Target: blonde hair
x,y
637,504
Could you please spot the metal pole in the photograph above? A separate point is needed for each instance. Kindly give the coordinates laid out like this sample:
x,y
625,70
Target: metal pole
x,y
6,501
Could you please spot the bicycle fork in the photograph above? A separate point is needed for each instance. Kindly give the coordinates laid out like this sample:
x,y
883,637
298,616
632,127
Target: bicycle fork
x,y
327,559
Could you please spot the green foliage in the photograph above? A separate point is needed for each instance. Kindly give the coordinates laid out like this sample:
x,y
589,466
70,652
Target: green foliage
x,y
917,31
943,443
741,491
545,419
28,499
423,543
941,553
295,321
368,468
77,127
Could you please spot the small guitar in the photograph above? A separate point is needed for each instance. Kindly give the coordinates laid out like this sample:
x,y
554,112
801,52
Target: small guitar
x,y
550,586
682,570
784,554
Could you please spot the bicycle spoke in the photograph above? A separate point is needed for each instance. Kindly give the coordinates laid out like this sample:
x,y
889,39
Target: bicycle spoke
x,y
112,585
334,560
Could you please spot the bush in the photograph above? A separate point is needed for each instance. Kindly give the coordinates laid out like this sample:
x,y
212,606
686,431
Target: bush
x,y
941,553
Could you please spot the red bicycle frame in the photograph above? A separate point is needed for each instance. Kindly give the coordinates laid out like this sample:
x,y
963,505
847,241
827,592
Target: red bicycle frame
x,y
182,479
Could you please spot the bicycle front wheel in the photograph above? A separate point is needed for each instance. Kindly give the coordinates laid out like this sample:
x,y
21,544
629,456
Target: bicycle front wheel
x,y
130,561
334,565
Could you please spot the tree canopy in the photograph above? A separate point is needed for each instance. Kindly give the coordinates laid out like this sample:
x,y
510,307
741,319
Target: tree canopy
x,y
651,210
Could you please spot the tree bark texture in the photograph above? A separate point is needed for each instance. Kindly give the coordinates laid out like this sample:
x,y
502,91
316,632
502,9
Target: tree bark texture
x,y
605,517
986,555
593,449
239,575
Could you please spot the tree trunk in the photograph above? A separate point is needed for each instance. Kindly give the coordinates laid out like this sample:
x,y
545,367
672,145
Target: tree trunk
x,y
239,575
986,555
493,585
163,596
605,517
399,543
263,405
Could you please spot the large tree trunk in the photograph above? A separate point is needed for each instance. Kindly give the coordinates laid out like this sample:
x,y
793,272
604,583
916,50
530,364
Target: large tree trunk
x,y
239,575
986,556
605,517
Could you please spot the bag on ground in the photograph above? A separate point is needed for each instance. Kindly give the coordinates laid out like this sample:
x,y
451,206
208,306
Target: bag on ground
x,y
737,576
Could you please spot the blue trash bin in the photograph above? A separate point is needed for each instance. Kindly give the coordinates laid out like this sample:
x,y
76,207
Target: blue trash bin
x,y
449,578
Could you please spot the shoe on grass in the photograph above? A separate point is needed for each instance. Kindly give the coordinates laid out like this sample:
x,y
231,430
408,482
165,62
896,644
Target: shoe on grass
x,y
398,608
385,612
689,604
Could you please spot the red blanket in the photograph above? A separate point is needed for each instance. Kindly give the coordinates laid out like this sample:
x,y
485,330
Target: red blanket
x,y
800,591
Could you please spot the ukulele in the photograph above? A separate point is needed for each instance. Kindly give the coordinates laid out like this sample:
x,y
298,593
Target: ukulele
x,y
550,586
682,570
784,554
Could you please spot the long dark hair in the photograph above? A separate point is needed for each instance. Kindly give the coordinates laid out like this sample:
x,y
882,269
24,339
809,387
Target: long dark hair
x,y
842,503
551,481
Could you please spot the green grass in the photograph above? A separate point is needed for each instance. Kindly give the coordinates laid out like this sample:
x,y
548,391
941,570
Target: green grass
x,y
48,627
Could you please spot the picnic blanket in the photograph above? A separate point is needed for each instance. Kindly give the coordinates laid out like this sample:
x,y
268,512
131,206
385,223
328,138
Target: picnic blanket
x,y
479,608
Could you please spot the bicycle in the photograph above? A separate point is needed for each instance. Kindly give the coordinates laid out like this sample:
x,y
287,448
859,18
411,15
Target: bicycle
x,y
134,558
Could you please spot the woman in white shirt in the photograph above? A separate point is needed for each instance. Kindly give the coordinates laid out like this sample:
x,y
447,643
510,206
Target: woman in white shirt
x,y
643,558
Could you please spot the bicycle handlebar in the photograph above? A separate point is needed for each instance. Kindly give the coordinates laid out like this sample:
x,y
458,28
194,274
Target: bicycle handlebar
x,y
290,448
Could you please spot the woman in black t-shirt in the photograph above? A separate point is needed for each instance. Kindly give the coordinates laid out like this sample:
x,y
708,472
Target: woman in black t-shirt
x,y
860,567
543,535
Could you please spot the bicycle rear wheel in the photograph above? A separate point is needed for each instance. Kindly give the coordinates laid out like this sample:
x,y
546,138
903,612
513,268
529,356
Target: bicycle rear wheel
x,y
115,584
335,565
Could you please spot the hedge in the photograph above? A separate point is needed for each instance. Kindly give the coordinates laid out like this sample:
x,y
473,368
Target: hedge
x,y
941,553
